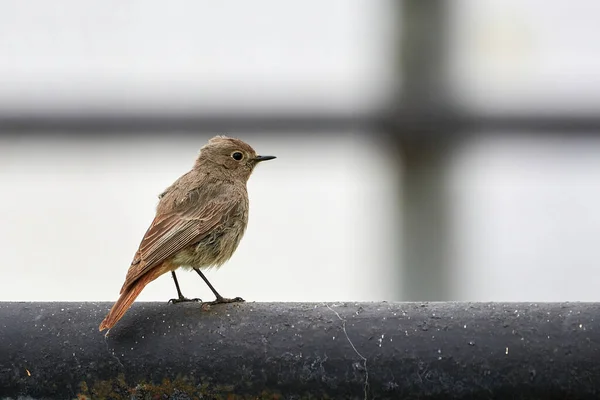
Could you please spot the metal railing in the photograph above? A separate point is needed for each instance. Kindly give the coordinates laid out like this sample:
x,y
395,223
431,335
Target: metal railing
x,y
302,350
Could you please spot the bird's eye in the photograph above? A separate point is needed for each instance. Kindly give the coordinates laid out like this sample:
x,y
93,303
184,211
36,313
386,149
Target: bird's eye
x,y
237,156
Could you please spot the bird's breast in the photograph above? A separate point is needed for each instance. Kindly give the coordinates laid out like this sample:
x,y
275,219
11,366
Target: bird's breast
x,y
219,244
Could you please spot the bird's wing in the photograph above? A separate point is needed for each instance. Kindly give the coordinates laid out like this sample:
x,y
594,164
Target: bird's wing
x,y
175,231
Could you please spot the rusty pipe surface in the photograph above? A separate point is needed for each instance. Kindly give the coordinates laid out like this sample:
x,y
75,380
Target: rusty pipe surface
x,y
302,350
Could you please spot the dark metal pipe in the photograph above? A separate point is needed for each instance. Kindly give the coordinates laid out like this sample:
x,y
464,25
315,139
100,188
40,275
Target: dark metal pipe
x,y
293,351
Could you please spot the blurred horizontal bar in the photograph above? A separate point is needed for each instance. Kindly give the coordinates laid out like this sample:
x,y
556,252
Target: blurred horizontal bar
x,y
302,350
404,122
193,122
442,122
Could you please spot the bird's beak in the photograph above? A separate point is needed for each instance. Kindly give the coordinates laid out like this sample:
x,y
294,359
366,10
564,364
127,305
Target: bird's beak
x,y
264,158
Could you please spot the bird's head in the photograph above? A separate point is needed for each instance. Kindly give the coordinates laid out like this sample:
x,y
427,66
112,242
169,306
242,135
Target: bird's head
x,y
230,156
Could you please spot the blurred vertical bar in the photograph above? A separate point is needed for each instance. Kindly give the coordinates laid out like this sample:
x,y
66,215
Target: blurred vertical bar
x,y
424,95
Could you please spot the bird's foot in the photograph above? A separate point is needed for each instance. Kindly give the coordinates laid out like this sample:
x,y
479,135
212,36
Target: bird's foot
x,y
184,300
223,300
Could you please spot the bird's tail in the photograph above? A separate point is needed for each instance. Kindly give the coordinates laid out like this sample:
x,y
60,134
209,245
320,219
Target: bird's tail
x,y
128,295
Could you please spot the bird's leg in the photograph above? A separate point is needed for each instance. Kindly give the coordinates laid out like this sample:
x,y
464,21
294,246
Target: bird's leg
x,y
220,299
181,298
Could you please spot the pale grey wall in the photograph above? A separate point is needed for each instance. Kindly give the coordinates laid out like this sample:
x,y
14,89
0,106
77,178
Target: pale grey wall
x,y
524,209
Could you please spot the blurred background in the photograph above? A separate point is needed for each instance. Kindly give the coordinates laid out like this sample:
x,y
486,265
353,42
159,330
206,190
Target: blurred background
x,y
426,150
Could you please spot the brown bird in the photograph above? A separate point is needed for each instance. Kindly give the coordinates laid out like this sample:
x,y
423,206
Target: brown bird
x,y
200,220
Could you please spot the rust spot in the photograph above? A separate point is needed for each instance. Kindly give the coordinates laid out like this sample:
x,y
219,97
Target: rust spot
x,y
117,388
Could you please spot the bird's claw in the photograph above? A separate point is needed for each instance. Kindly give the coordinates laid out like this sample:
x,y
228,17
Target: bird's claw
x,y
223,300
184,300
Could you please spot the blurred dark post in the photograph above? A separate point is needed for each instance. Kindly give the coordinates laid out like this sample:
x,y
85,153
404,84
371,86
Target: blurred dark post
x,y
423,148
